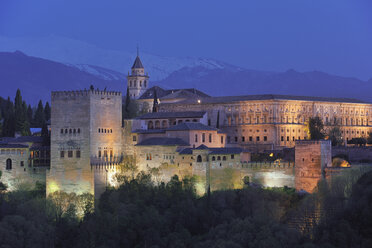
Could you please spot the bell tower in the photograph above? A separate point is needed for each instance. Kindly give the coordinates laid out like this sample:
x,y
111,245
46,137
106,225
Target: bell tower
x,y
137,81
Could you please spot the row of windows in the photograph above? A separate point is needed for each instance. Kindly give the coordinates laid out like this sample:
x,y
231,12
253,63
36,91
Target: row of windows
x,y
11,151
105,153
214,158
288,138
134,83
104,130
70,131
164,123
70,154
203,138
250,139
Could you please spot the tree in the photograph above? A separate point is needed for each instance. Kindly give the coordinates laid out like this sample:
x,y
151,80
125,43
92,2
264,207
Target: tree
x,y
218,119
9,121
30,114
315,128
335,136
155,103
47,111
39,118
20,114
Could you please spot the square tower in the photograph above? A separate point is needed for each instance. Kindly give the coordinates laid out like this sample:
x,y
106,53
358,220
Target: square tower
x,y
311,159
85,130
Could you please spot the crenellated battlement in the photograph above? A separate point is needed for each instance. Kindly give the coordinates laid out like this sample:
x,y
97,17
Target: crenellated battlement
x,y
82,93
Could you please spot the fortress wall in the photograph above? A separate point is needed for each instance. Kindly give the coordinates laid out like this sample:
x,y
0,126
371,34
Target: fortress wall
x,y
354,154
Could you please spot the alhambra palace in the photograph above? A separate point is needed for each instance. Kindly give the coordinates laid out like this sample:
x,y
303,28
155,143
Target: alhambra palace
x,y
183,132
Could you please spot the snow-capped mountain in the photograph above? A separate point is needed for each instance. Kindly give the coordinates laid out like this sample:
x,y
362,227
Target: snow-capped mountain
x,y
88,57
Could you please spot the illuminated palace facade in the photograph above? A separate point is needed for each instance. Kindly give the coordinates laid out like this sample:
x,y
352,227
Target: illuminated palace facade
x,y
277,121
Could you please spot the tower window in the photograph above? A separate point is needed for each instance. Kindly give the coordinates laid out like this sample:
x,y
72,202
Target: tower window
x,y
69,154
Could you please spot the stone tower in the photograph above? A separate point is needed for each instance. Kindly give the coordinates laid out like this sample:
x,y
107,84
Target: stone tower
x,y
137,81
312,157
85,132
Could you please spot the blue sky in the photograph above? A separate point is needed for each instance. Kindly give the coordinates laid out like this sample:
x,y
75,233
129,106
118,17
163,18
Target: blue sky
x,y
334,36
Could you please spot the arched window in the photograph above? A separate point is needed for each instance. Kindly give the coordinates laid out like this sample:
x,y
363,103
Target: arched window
x,y
157,124
150,125
199,159
8,164
194,120
74,130
61,130
196,137
164,124
105,130
224,158
70,131
213,158
179,121
140,83
66,130
218,158
110,130
78,130
99,130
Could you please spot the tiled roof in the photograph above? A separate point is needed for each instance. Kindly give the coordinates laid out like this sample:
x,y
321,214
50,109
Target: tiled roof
x,y
228,99
148,131
162,141
191,126
22,139
225,150
172,93
13,146
164,115
137,63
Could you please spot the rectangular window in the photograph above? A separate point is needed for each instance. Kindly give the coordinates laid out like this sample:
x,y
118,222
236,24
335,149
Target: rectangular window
x,y
210,138
203,137
62,154
287,138
293,138
236,139
78,153
243,139
232,156
221,139
196,138
282,138
134,138
265,138
69,154
250,138
258,138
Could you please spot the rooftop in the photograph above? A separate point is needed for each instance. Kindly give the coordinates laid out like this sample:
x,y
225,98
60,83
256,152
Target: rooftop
x,y
172,93
165,115
137,63
191,126
163,141
225,150
13,146
227,99
22,139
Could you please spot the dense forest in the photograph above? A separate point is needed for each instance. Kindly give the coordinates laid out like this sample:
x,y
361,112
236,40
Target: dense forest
x,y
18,117
140,213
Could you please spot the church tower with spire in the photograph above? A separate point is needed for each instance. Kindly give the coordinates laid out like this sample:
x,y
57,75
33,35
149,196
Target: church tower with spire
x,y
138,81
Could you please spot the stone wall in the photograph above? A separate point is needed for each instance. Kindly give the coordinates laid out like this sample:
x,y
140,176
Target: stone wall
x,y
353,154
21,172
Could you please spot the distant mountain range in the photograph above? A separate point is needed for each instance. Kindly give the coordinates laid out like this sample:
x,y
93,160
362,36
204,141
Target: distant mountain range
x,y
55,63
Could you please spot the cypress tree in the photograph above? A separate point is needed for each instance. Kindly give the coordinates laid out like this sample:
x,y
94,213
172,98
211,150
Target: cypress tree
x,y
155,104
18,112
39,118
26,126
29,114
47,111
9,121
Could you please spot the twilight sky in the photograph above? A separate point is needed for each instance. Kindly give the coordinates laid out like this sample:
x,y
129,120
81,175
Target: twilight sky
x,y
334,36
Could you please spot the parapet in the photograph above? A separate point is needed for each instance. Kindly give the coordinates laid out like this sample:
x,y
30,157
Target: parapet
x,y
78,93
